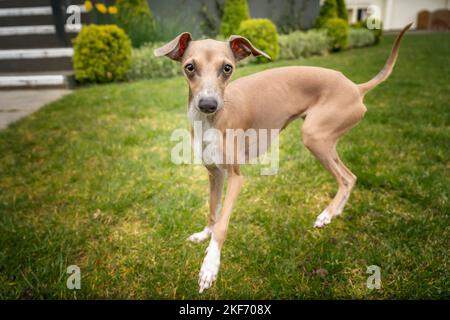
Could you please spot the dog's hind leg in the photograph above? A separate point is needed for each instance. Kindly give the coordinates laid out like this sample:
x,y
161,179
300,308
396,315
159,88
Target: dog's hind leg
x,y
216,177
321,131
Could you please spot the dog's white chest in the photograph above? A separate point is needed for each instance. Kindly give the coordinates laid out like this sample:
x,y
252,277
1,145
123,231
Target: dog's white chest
x,y
207,140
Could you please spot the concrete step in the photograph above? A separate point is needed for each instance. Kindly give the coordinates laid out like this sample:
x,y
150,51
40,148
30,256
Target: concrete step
x,y
28,30
35,53
31,3
51,80
36,65
35,60
23,3
29,37
30,11
31,16
32,41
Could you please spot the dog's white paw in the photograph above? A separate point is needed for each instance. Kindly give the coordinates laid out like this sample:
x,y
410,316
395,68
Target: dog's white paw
x,y
200,236
210,267
323,219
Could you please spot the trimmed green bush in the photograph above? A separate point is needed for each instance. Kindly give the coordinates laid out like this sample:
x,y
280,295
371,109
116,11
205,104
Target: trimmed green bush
x,y
144,64
360,38
301,44
328,11
102,53
341,10
234,12
136,18
263,34
337,30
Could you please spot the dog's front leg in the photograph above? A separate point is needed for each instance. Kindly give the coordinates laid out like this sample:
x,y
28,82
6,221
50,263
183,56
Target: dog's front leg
x,y
215,176
211,263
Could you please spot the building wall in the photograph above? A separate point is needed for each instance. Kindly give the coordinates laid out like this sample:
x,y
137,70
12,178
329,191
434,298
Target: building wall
x,y
397,13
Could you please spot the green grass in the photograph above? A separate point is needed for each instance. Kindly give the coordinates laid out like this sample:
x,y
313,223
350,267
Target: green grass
x,y
88,180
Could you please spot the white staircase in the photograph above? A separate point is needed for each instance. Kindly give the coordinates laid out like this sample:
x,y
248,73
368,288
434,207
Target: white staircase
x,y
32,54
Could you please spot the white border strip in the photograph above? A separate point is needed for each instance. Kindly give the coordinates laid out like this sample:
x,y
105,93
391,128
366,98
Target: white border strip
x,y
22,81
46,29
36,53
31,11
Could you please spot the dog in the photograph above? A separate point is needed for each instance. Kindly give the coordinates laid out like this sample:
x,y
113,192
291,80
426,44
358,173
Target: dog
x,y
329,103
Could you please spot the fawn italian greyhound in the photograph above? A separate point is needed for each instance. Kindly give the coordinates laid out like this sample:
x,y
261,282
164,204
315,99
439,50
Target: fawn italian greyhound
x,y
329,103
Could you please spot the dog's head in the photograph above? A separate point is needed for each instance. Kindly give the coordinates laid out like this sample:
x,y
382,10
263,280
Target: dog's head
x,y
208,66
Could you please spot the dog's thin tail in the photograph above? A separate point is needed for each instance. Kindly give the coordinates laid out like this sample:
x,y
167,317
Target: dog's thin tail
x,y
386,71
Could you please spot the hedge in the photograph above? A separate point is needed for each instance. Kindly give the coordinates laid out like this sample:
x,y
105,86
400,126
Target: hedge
x,y
300,44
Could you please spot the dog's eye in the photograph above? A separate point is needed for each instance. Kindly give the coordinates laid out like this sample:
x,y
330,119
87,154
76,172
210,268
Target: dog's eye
x,y
189,68
227,68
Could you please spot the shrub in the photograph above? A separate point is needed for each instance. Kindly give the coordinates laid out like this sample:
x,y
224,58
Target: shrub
x,y
209,24
337,30
378,33
360,38
301,44
263,34
144,64
234,12
167,29
102,54
341,10
136,18
328,11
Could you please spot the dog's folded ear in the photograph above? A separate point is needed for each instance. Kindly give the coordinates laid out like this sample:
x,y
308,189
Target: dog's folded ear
x,y
242,48
175,48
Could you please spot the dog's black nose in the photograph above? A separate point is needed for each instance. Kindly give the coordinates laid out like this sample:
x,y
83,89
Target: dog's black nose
x,y
207,105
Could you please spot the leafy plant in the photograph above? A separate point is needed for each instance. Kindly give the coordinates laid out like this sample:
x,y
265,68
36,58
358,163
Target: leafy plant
x,y
136,18
234,12
208,26
102,54
328,11
360,38
337,30
300,44
263,34
144,64
99,12
377,32
341,10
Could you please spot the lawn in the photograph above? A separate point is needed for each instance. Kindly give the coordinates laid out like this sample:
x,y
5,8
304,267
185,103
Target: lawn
x,y
88,181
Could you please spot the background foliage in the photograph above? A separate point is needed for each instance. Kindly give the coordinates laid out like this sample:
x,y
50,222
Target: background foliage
x,y
337,30
102,53
234,12
301,44
263,34
136,18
